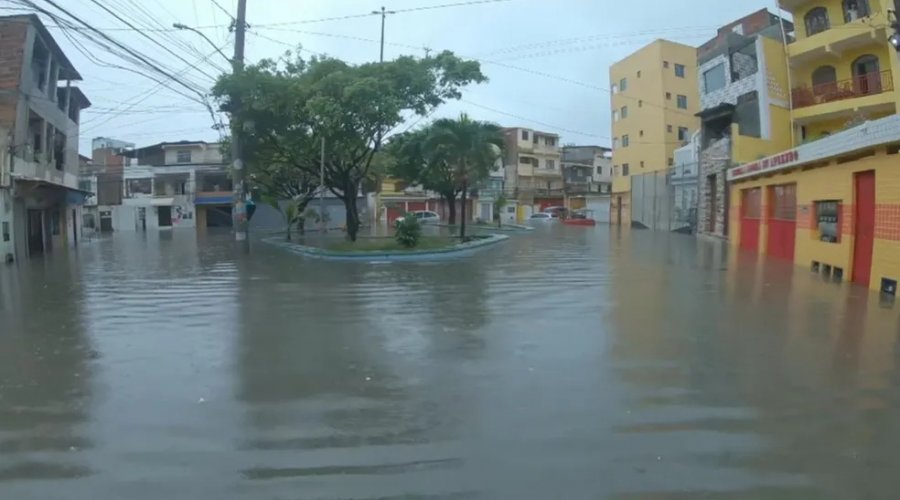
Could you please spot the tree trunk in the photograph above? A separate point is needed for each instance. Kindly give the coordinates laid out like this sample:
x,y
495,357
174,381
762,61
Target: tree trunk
x,y
301,225
352,216
451,207
288,232
462,226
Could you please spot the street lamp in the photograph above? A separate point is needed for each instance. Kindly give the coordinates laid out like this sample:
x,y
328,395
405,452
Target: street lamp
x,y
185,27
895,39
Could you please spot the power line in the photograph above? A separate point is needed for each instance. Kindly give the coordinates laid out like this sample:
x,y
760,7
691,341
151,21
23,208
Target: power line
x,y
214,2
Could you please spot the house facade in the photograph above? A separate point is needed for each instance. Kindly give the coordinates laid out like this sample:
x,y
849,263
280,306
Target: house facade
x,y
587,171
830,201
40,112
745,108
534,177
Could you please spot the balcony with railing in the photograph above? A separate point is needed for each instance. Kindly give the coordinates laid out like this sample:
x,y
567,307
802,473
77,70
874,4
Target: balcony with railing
x,y
828,98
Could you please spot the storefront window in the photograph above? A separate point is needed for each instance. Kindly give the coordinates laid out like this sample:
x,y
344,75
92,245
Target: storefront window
x,y
828,220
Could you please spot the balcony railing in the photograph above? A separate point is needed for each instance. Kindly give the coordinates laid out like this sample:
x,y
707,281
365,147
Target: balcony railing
x,y
858,86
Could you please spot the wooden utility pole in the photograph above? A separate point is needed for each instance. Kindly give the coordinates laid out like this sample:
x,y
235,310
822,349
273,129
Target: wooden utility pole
x,y
239,209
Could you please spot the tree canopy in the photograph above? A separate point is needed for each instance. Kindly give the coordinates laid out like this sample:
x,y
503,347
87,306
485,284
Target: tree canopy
x,y
288,107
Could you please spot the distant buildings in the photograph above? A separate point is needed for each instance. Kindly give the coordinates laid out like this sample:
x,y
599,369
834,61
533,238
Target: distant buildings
x,y
163,186
587,172
40,112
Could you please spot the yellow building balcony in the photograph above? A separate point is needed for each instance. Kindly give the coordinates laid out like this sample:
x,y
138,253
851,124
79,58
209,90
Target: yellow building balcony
x,y
871,93
832,43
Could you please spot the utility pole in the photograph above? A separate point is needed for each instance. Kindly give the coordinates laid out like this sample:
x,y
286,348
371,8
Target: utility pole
x,y
322,220
383,13
239,210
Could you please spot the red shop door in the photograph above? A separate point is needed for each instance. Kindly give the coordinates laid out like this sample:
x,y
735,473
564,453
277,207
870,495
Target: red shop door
x,y
751,212
782,221
864,233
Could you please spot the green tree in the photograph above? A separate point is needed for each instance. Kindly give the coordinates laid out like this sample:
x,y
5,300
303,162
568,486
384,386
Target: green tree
x,y
288,109
499,204
413,164
470,148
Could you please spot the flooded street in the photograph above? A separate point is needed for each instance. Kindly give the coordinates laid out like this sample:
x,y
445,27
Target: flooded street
x,y
569,363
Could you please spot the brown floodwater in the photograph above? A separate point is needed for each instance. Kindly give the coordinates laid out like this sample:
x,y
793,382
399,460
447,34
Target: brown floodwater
x,y
578,363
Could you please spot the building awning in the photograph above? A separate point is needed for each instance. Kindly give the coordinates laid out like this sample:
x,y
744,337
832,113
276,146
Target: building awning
x,y
72,195
162,202
719,111
213,200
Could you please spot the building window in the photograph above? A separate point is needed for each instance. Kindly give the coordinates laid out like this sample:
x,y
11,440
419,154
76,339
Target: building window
x,y
138,187
5,231
665,64
828,221
183,156
641,133
682,133
624,112
615,89
40,64
599,170
625,141
550,141
550,164
747,115
615,143
682,102
639,73
783,204
616,170
640,103
524,135
625,170
816,21
642,163
714,79
671,161
615,115
669,129
668,96
856,9
623,84
679,70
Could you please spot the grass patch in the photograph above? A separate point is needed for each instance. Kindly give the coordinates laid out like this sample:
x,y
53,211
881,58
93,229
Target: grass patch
x,y
391,245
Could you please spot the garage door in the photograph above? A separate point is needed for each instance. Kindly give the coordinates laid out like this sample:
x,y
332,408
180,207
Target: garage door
x,y
782,221
751,212
600,209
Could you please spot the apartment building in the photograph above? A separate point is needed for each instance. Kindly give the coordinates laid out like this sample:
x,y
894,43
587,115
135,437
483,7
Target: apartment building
x,y
533,161
831,201
654,102
40,111
587,172
744,106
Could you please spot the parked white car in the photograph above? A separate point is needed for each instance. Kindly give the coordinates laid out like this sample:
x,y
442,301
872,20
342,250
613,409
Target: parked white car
x,y
424,217
542,216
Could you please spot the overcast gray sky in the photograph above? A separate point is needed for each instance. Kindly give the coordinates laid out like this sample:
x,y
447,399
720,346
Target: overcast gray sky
x,y
573,40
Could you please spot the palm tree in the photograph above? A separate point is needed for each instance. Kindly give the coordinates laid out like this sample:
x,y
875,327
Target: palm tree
x,y
468,146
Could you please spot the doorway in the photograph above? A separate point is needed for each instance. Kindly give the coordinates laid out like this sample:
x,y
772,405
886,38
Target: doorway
x,y
711,187
751,213
864,224
782,221
165,216
35,232
867,75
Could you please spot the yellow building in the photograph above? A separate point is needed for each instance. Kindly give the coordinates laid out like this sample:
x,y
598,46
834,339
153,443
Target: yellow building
x,y
654,102
832,202
844,70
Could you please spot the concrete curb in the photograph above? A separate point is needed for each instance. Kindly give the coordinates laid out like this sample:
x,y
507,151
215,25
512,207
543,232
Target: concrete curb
x,y
506,228
461,250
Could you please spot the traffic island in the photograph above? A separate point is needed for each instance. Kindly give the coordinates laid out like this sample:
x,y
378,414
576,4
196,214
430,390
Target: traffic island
x,y
387,249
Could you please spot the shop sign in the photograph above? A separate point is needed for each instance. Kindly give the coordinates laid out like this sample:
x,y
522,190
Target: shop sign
x,y
777,162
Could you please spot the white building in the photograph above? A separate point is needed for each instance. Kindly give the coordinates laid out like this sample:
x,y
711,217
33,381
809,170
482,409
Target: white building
x,y
171,185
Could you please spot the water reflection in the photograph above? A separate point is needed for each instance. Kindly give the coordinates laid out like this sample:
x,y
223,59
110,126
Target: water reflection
x,y
565,363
